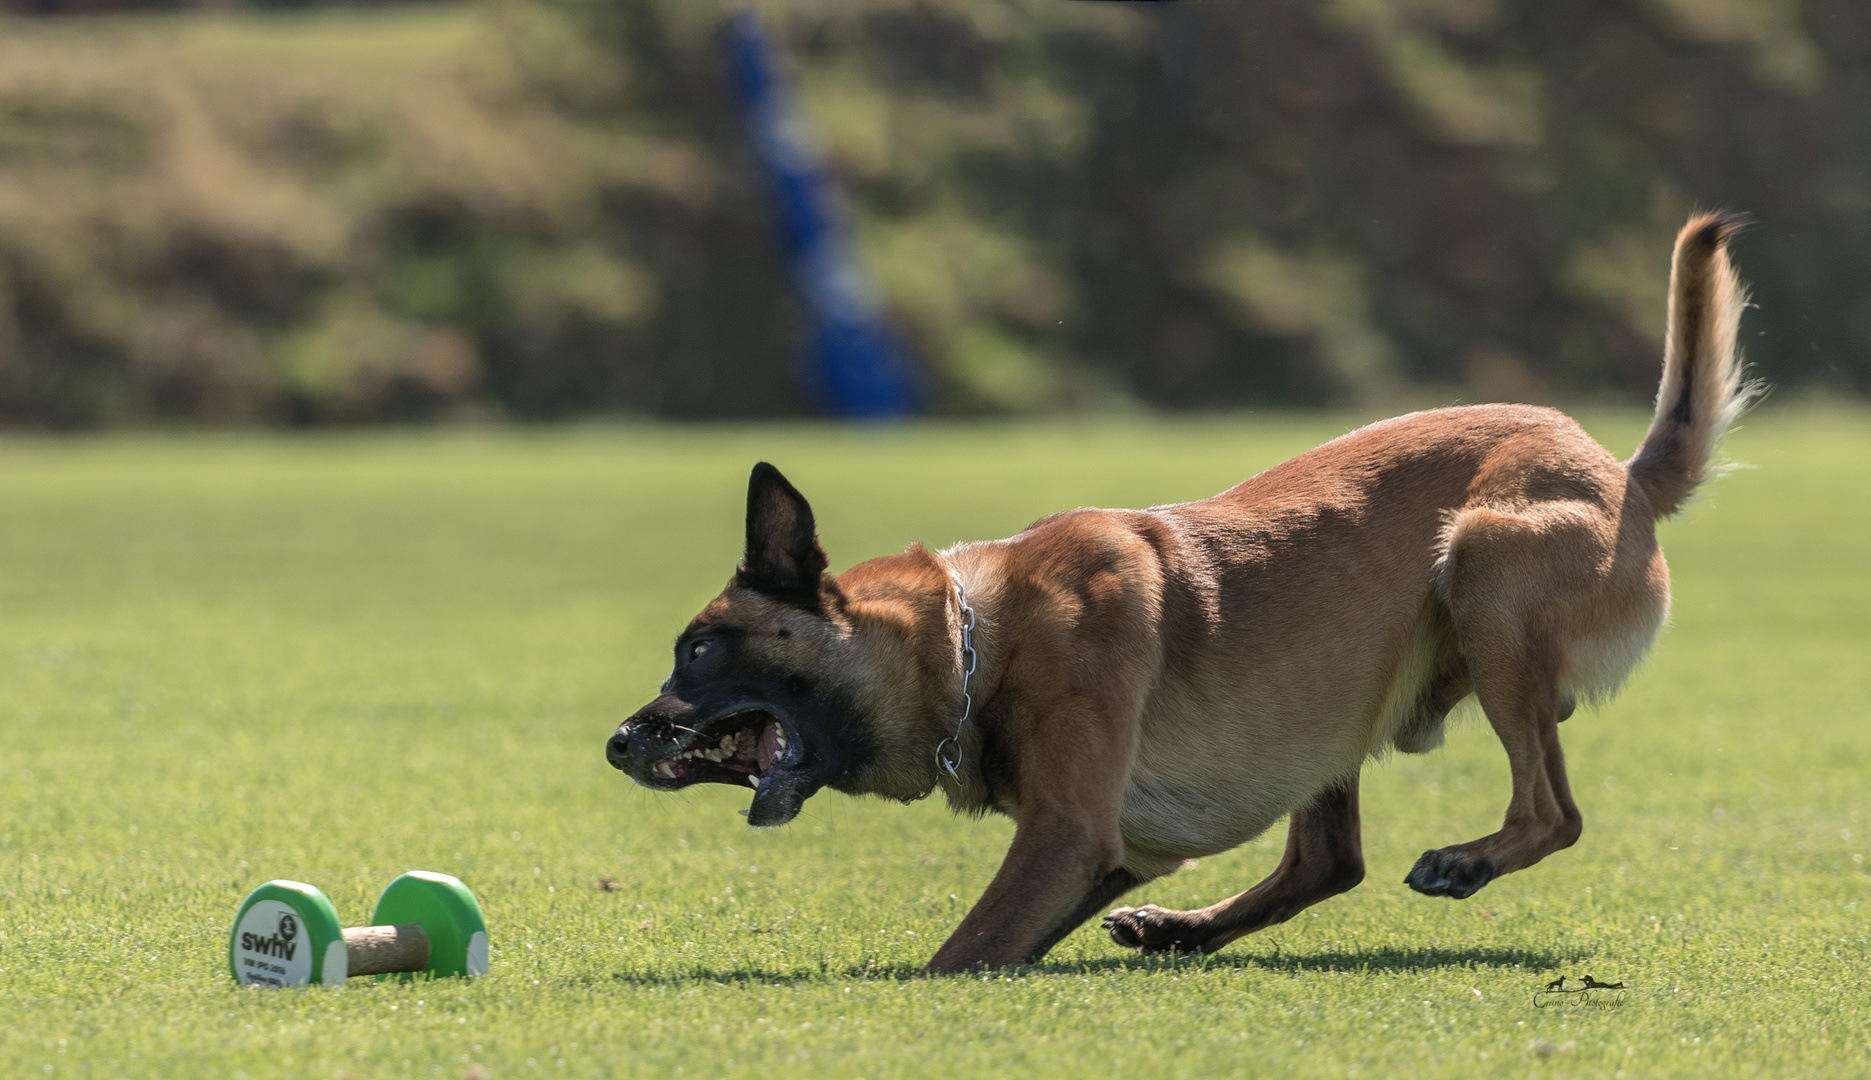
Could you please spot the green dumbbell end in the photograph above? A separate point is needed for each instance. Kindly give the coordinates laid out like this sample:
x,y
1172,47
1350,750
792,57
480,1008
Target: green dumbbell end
x,y
286,933
447,912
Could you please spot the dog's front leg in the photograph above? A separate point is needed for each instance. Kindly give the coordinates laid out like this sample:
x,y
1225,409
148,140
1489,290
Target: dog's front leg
x,y
1075,638
1066,860
1059,862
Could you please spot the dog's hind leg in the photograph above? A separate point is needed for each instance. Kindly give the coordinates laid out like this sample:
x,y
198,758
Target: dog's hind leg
x,y
1541,816
1510,584
1324,857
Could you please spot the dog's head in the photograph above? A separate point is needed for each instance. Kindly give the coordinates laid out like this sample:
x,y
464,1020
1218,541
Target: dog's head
x,y
767,681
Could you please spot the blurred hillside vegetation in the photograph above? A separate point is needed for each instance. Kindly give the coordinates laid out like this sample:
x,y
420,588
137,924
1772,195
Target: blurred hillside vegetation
x,y
314,215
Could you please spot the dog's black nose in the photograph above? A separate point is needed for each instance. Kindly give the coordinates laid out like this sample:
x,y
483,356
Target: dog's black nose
x,y
617,750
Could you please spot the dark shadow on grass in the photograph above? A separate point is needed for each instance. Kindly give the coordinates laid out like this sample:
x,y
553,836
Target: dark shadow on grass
x,y
1352,962
762,977
1346,961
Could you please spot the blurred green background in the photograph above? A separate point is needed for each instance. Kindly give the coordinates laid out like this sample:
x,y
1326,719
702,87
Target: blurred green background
x,y
307,214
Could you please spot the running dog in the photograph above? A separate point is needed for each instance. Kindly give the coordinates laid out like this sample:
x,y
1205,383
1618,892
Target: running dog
x,y
1139,687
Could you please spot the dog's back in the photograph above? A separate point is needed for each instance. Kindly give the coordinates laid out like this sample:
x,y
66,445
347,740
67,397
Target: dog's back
x,y
1302,618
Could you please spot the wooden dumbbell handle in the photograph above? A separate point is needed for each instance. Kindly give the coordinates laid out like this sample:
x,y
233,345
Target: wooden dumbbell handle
x,y
380,950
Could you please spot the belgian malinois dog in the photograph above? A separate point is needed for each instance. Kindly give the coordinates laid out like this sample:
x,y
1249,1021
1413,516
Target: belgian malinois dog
x,y
1139,687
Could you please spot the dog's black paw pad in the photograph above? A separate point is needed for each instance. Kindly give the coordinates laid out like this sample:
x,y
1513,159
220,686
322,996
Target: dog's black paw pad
x,y
1125,928
1451,873
1152,929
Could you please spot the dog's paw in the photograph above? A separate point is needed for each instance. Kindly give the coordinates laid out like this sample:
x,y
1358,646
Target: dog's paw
x,y
1449,872
1153,929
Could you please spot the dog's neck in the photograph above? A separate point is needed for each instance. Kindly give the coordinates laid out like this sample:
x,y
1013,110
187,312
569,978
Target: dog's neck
x,y
905,608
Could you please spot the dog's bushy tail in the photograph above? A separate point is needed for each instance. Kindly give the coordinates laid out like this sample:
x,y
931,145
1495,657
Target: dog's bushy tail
x,y
1702,391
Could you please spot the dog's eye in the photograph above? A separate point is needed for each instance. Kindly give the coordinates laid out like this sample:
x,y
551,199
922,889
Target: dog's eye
x,y
698,648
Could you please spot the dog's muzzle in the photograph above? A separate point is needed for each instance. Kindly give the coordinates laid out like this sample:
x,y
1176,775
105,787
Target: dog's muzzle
x,y
747,747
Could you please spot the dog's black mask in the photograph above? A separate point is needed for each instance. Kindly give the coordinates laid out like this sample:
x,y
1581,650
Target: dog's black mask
x,y
744,705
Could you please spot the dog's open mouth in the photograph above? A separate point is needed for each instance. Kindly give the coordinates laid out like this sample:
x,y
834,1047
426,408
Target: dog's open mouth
x,y
742,748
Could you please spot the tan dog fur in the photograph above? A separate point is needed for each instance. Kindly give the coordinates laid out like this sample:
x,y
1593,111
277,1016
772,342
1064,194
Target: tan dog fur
x,y
1164,684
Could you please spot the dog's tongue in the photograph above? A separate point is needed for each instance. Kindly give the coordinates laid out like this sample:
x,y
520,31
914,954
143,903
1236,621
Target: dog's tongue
x,y
771,747
776,803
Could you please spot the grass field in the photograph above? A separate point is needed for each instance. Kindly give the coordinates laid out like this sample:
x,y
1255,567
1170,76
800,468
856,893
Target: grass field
x,y
225,659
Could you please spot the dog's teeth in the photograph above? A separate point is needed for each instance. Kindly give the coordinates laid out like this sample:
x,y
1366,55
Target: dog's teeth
x,y
665,770
727,742
780,738
755,780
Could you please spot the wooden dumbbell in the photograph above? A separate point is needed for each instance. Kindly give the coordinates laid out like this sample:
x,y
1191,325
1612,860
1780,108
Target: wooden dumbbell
x,y
286,933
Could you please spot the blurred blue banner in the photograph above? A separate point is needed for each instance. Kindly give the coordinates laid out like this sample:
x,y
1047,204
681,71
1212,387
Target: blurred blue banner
x,y
854,366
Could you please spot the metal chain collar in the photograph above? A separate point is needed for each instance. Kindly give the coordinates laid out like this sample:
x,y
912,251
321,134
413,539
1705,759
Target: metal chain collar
x,y
948,751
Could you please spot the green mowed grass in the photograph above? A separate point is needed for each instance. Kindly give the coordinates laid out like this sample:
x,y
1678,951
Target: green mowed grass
x,y
225,659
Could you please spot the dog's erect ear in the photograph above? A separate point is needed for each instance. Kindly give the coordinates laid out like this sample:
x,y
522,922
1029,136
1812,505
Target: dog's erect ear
x,y
783,554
